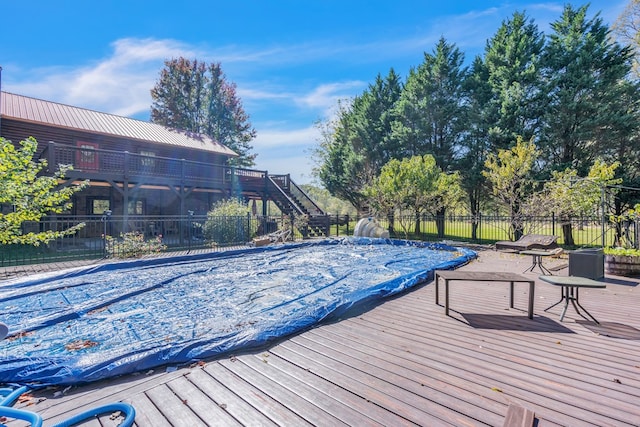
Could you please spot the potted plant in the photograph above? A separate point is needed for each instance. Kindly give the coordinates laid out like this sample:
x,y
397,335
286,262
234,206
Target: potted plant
x,y
622,261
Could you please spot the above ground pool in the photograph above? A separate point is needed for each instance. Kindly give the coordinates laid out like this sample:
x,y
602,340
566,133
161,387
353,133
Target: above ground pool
x,y
112,319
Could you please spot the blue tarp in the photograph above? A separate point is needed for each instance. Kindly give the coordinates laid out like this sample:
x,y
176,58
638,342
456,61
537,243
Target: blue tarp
x,y
118,318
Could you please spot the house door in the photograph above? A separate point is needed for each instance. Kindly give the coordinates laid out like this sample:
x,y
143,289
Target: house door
x,y
87,157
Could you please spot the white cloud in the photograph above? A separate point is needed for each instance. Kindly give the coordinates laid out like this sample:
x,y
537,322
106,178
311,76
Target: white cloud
x,y
261,94
287,151
327,95
270,138
118,84
299,166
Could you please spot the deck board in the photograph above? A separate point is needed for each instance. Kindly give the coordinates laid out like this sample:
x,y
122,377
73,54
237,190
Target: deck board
x,y
288,407
403,362
176,410
200,402
391,396
328,396
495,372
444,405
257,407
147,414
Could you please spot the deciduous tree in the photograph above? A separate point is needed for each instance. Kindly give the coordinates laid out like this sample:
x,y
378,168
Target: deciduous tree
x,y
569,195
414,184
509,172
29,195
627,30
196,97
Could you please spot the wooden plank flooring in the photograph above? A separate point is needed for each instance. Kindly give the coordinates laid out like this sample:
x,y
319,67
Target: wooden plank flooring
x,y
403,362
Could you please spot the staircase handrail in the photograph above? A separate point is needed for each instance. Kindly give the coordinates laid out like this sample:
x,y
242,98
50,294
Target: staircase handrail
x,y
305,199
292,203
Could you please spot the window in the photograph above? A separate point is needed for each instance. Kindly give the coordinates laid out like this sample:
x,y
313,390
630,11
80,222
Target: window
x,y
147,161
86,157
136,207
98,206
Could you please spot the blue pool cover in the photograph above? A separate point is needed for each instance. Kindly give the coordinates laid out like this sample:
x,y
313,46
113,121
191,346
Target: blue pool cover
x,y
118,318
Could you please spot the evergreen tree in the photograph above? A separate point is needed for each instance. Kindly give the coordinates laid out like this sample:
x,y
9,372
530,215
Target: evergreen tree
x,y
340,166
357,144
195,97
372,117
586,90
431,110
475,145
512,59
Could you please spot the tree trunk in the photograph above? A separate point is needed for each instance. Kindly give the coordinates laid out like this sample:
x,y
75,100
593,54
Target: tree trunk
x,y
440,221
516,221
474,206
567,233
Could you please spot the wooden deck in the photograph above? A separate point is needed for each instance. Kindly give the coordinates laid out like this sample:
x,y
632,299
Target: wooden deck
x,y
403,362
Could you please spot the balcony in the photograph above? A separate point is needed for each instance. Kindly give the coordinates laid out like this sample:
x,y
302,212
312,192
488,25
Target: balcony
x,y
118,166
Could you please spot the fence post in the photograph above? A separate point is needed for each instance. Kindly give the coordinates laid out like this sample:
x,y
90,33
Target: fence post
x,y
106,216
190,230
248,235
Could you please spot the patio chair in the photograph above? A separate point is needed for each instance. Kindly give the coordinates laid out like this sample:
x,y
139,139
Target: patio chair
x,y
8,396
529,242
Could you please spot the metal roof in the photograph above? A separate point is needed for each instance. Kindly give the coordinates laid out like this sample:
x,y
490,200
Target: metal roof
x,y
49,113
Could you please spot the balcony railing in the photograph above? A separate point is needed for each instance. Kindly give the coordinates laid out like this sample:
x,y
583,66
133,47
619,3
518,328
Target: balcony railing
x,y
121,165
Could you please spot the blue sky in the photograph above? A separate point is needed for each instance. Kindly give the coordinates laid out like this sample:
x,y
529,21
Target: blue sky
x,y
292,61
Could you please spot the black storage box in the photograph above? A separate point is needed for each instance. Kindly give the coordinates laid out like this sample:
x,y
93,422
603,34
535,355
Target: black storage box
x,y
587,263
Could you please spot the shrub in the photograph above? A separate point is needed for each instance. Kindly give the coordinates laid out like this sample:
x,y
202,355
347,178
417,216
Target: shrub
x,y
622,251
228,222
133,245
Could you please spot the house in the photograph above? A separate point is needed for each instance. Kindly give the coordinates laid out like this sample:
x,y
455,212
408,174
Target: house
x,y
140,168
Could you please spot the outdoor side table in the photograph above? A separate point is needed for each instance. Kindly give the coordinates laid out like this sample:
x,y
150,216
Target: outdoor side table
x,y
570,292
536,261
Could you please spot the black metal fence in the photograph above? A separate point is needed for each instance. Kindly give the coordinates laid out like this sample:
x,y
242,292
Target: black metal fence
x,y
109,236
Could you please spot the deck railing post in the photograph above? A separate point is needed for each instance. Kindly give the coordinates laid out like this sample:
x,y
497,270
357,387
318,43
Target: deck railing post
x,y
51,156
126,167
